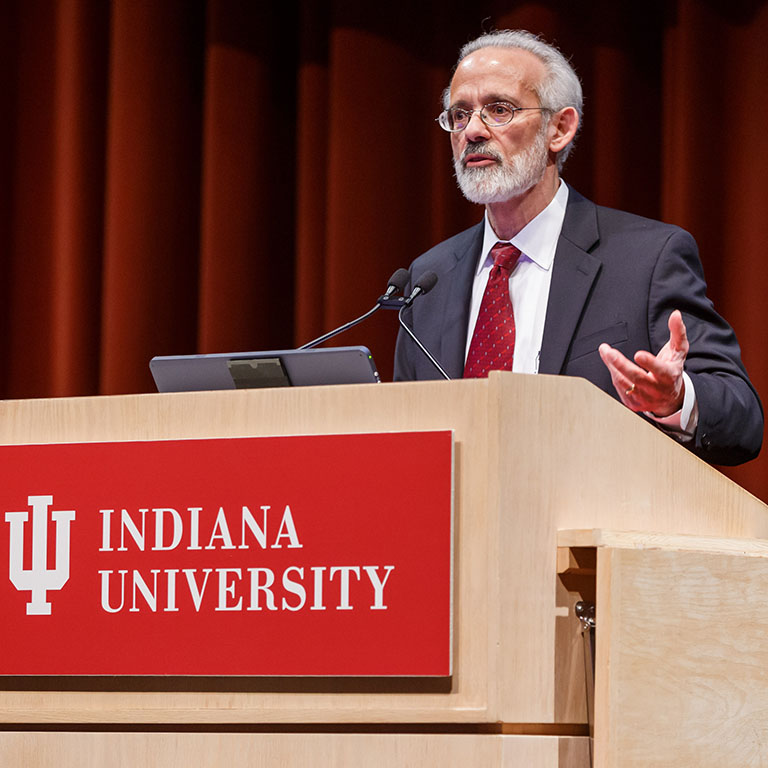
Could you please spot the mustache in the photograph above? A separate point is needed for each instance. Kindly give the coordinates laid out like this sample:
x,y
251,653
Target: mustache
x,y
480,148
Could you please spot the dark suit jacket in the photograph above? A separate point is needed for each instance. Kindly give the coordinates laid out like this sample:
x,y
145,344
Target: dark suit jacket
x,y
616,278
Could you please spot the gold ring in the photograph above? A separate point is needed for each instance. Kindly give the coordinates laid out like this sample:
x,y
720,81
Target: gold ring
x,y
630,390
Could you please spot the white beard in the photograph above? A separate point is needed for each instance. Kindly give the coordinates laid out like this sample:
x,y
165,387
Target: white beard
x,y
501,182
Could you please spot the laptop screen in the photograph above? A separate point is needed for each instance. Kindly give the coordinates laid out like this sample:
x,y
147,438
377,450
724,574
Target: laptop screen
x,y
275,368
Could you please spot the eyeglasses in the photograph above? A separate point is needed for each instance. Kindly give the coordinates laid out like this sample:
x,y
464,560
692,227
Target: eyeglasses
x,y
493,115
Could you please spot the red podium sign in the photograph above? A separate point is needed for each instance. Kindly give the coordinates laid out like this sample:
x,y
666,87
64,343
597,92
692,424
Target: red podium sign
x,y
318,555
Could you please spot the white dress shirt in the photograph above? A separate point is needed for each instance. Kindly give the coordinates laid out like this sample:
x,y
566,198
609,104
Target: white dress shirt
x,y
529,281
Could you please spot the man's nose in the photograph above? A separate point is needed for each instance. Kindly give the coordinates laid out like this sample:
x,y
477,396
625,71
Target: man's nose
x,y
476,129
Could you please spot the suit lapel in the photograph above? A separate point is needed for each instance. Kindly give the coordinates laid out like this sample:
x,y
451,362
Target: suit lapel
x,y
453,332
573,273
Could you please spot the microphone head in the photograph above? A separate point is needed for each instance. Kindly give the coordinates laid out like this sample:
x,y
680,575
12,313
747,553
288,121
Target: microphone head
x,y
427,282
399,279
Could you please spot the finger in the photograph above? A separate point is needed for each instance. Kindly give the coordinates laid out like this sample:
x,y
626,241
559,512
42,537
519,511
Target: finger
x,y
638,388
658,390
678,336
661,369
618,362
624,375
662,385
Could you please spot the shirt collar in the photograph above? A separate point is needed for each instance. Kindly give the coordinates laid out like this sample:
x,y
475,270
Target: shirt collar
x,y
537,240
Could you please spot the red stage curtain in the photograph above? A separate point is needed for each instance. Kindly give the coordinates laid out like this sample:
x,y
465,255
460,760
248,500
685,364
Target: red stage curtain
x,y
220,175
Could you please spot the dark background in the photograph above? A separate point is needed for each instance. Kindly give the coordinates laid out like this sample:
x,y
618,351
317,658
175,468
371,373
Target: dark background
x,y
183,176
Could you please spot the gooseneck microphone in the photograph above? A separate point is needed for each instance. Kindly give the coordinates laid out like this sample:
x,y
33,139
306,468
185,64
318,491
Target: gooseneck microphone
x,y
396,283
424,284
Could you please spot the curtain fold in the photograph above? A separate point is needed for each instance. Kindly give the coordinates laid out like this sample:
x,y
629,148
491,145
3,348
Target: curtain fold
x,y
249,177
223,175
77,183
714,165
152,206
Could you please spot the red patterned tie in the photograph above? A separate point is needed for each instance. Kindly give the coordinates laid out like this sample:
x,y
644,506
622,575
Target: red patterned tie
x,y
493,342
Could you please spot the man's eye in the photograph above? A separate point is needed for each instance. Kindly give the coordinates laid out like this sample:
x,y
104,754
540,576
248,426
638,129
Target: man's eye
x,y
500,111
459,115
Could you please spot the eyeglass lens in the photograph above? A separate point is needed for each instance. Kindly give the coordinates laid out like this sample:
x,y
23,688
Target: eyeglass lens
x,y
495,114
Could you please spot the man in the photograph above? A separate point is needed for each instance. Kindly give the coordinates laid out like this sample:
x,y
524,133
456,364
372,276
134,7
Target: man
x,y
551,283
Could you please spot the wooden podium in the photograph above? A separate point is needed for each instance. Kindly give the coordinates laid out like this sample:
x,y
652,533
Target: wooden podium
x,y
561,494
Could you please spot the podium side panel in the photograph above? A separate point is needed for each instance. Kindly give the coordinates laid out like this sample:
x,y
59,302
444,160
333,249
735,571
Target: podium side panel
x,y
682,666
569,456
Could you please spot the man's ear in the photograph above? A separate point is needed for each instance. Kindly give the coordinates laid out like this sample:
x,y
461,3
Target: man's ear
x,y
562,128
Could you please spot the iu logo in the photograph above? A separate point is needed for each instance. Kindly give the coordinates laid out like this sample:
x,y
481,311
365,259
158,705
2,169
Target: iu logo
x,y
39,578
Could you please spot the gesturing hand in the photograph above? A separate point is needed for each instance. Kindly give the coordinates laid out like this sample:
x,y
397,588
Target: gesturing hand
x,y
653,382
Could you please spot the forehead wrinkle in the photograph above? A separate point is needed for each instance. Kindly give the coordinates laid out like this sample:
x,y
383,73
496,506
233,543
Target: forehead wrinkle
x,y
489,98
489,95
505,68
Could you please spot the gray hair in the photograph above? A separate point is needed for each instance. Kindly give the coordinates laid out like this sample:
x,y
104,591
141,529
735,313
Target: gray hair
x,y
560,87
